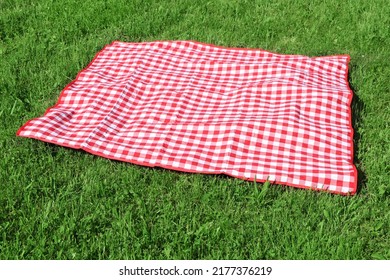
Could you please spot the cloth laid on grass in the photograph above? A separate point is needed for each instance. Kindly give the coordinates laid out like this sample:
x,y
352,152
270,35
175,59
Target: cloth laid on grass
x,y
193,107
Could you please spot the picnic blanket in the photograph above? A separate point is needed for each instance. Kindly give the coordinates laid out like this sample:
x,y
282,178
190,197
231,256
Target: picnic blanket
x,y
194,107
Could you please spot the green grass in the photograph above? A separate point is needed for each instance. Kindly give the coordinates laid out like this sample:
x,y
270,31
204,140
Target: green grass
x,y
59,203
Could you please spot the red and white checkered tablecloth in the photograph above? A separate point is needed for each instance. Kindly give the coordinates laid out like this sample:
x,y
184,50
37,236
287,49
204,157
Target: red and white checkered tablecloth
x,y
194,107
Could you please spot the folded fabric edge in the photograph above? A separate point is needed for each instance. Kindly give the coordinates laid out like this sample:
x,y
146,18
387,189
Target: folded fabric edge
x,y
355,174
232,48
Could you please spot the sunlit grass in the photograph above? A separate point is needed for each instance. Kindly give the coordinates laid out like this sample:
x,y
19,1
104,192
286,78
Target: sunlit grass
x,y
58,203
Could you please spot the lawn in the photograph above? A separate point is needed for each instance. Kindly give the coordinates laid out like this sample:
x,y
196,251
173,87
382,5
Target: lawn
x,y
59,203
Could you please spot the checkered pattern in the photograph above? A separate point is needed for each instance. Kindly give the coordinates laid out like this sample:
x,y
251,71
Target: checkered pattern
x,y
193,107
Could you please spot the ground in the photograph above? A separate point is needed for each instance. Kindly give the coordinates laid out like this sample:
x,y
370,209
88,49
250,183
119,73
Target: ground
x,y
59,203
